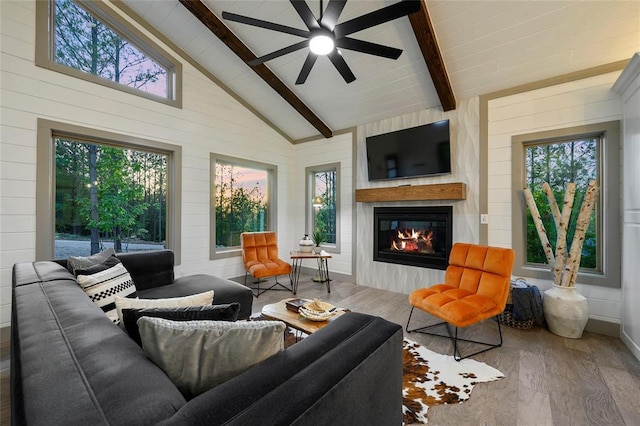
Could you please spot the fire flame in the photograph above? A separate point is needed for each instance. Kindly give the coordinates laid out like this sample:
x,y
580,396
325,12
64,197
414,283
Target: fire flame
x,y
413,241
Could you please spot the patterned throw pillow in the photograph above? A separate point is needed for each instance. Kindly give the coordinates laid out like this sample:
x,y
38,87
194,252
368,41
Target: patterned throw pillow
x,y
84,262
103,287
198,355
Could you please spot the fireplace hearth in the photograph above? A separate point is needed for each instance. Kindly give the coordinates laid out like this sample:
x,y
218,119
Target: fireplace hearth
x,y
416,236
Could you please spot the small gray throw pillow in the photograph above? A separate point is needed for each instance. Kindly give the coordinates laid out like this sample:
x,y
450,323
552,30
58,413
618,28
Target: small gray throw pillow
x,y
198,355
84,262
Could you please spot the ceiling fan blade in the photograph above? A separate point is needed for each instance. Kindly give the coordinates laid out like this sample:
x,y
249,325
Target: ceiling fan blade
x,y
332,13
305,14
368,47
264,24
377,17
306,68
341,65
279,52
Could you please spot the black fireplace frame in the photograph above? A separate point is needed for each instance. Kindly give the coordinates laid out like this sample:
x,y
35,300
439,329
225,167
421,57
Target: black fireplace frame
x,y
409,213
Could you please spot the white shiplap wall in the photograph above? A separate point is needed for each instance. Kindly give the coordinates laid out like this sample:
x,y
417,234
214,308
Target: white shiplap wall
x,y
580,102
210,121
338,149
465,167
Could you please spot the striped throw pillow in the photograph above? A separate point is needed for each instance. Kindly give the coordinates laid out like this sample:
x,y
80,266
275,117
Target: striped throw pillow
x,y
102,288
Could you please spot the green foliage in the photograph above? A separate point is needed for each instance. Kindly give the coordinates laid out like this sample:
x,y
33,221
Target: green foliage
x,y
238,209
87,44
126,195
558,164
325,217
318,237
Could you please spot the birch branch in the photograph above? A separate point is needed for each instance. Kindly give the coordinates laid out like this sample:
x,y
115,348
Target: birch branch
x,y
561,243
573,261
555,211
542,233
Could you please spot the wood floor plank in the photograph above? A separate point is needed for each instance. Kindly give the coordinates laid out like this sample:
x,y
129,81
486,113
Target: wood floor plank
x,y
625,392
533,373
534,407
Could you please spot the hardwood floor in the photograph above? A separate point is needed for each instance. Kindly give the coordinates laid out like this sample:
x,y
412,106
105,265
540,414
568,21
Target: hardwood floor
x,y
549,380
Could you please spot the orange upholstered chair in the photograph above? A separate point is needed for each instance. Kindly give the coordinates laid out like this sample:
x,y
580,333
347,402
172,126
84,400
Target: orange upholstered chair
x,y
476,287
260,258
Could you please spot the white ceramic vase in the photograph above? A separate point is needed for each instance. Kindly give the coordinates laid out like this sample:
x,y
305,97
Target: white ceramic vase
x,y
566,311
306,245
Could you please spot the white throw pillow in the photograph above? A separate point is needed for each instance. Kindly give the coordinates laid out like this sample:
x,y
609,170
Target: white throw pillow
x,y
199,299
198,355
103,287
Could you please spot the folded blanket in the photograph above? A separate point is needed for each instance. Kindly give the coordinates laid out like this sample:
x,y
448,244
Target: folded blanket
x,y
527,304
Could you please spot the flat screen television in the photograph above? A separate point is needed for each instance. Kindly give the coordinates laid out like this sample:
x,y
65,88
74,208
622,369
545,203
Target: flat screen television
x,y
417,151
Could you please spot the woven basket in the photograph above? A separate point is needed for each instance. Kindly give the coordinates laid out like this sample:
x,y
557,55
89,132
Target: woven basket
x,y
506,318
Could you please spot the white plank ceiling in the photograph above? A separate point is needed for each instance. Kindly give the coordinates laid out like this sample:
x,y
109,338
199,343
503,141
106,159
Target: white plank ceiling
x,y
486,46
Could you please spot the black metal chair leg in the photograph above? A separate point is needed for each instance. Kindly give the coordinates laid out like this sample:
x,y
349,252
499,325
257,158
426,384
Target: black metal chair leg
x,y
454,337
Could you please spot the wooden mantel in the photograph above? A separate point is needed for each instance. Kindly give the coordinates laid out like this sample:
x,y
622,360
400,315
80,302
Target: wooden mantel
x,y
438,191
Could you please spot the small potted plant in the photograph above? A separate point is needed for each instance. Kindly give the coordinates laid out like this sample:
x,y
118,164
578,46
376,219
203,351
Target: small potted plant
x,y
318,238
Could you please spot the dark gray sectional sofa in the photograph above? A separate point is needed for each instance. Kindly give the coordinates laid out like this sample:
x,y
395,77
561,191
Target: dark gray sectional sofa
x,y
70,365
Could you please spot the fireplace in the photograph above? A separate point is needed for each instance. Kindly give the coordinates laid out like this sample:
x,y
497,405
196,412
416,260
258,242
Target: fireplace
x,y
417,236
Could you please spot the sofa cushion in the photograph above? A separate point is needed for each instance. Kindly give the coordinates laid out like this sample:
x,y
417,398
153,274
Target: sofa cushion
x,y
104,286
198,355
83,262
226,291
200,299
130,317
149,269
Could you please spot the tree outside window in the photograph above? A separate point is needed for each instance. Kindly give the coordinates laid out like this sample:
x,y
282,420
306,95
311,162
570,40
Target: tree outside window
x,y
558,163
108,196
242,201
86,43
324,217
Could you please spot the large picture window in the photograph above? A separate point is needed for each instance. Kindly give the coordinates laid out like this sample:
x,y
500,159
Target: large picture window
x,y
98,189
243,201
87,40
108,196
577,154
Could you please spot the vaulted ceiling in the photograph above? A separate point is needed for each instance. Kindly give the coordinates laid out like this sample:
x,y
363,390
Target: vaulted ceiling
x,y
451,50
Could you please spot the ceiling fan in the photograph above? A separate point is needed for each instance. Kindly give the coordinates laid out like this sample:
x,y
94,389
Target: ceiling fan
x,y
325,35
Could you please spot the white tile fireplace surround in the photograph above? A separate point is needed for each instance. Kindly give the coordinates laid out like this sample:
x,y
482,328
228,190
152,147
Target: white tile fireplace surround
x,y
466,215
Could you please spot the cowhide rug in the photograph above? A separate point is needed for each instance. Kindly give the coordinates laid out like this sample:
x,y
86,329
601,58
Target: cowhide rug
x,y
429,378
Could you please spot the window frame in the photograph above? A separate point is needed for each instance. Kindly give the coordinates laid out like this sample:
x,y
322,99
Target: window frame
x,y
272,191
309,209
609,201
45,50
46,182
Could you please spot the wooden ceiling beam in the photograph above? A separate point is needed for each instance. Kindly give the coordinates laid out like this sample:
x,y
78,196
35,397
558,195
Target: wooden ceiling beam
x,y
426,37
217,27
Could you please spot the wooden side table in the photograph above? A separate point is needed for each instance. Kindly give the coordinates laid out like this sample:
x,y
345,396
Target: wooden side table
x,y
323,268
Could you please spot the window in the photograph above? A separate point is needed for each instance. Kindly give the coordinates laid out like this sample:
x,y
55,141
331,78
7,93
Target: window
x,y
323,203
243,201
108,196
89,41
104,190
558,157
558,163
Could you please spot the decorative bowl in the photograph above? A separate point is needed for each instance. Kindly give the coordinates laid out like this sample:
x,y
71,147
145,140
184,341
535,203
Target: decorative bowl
x,y
317,310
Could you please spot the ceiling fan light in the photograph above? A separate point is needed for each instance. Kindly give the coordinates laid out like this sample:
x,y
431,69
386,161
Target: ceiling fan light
x,y
321,44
